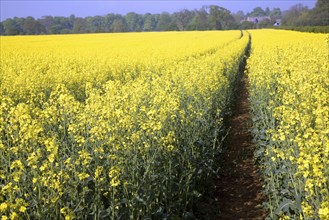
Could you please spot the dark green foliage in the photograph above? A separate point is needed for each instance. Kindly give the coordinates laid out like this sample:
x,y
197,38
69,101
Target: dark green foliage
x,y
150,22
10,27
207,18
166,23
2,30
134,21
221,19
247,25
258,12
299,15
211,17
119,25
312,29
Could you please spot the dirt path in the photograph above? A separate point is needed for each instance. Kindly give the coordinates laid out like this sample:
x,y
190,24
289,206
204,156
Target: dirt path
x,y
239,188
237,194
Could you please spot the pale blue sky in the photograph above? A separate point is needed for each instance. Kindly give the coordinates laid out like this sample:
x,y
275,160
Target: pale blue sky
x,y
83,8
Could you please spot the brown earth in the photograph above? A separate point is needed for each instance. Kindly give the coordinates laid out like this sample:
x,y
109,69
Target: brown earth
x,y
239,193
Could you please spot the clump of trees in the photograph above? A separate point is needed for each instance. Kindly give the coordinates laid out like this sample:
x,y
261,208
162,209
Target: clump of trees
x,y
211,17
300,15
207,18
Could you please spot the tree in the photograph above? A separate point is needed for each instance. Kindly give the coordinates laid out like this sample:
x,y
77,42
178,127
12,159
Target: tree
x,y
31,26
150,22
19,24
265,23
2,30
227,20
267,11
296,16
108,21
183,19
64,23
79,26
276,14
239,16
214,18
10,27
55,29
72,19
257,12
200,20
221,18
320,14
95,24
134,21
247,25
119,25
47,22
165,22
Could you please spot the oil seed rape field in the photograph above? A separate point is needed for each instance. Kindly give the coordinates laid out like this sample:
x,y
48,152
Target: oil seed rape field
x,y
289,95
130,126
112,126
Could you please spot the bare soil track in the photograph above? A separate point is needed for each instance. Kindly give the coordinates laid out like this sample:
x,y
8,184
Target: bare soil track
x,y
237,193
240,186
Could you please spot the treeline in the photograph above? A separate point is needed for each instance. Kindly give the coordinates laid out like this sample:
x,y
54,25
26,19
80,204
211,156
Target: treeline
x,y
311,29
207,18
299,15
